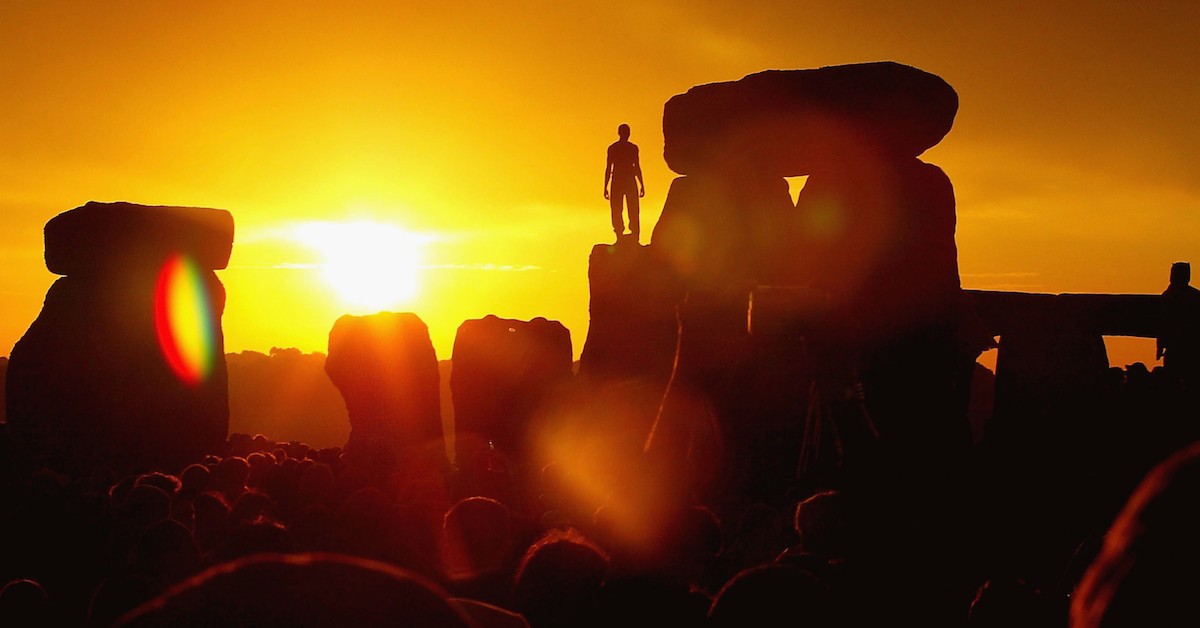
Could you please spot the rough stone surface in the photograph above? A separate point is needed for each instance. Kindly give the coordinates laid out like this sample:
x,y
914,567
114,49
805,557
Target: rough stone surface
x,y
504,372
719,231
632,329
102,236
880,242
88,384
386,368
3,373
793,122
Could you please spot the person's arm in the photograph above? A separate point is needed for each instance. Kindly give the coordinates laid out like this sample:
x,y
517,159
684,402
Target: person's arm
x,y
637,171
608,168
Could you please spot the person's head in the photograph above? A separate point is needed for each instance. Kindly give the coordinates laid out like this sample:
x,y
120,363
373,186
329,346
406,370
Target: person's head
x,y
1181,273
559,580
25,602
820,521
478,536
1145,569
774,595
623,131
301,589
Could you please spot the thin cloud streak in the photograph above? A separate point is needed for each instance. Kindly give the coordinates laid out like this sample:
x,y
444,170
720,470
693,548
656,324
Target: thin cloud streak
x,y
484,267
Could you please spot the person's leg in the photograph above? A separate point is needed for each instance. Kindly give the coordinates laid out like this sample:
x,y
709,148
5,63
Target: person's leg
x,y
634,210
615,196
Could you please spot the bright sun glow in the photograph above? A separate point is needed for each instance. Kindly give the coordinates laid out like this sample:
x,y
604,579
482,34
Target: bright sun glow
x,y
372,266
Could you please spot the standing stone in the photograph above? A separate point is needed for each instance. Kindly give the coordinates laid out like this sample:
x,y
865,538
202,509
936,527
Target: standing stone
x,y
386,368
880,242
100,379
721,231
872,236
504,373
3,373
632,327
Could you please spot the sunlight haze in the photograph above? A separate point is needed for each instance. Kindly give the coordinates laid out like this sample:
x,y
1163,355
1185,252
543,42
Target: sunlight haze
x,y
471,135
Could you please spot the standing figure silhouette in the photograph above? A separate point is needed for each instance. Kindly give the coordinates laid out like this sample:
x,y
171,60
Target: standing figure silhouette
x,y
1179,337
623,184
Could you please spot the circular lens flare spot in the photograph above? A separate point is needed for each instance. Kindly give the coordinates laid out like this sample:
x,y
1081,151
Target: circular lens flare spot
x,y
184,321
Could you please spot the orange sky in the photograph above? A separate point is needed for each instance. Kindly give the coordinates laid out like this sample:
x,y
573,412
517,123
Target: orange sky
x,y
481,128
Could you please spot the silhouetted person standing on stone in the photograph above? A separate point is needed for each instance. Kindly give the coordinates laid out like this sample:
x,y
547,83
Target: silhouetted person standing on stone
x,y
1179,338
623,184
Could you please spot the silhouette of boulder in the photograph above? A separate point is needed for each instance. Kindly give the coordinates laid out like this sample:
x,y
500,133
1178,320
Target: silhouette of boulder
x,y
790,122
504,372
717,231
3,374
880,242
102,236
870,240
386,368
632,329
115,370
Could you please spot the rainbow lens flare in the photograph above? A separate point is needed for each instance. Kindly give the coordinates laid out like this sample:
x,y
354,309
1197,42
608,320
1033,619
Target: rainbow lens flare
x,y
184,320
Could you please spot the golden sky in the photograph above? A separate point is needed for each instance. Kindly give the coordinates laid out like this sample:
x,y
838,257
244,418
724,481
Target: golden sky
x,y
479,128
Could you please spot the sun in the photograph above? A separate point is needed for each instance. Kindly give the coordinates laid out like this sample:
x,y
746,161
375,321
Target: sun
x,y
372,266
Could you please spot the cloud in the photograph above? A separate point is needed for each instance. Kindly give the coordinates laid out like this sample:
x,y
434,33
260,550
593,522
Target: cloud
x,y
1009,281
508,268
512,268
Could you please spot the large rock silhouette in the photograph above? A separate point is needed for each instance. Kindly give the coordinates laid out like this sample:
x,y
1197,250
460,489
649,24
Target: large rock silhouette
x,y
102,236
880,242
3,374
124,367
632,327
386,368
504,373
869,242
720,231
790,122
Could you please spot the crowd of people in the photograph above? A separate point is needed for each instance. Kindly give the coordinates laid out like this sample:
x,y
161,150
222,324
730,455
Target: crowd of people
x,y
280,533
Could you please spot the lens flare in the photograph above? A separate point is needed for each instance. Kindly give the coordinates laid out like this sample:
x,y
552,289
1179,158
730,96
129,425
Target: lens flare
x,y
184,320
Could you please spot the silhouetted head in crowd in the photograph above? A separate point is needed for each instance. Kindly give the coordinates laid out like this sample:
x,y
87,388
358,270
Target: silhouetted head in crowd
x,y
318,483
194,480
253,537
1146,572
478,537
211,520
821,523
559,579
24,603
166,551
1181,273
230,476
1010,602
623,132
697,539
250,506
261,465
144,505
775,595
762,534
168,483
318,590
163,555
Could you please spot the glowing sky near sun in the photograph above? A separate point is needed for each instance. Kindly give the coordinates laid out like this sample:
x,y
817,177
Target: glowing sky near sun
x,y
479,128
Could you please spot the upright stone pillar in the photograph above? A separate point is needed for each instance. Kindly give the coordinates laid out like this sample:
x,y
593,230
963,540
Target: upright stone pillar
x,y
125,365
386,369
505,373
